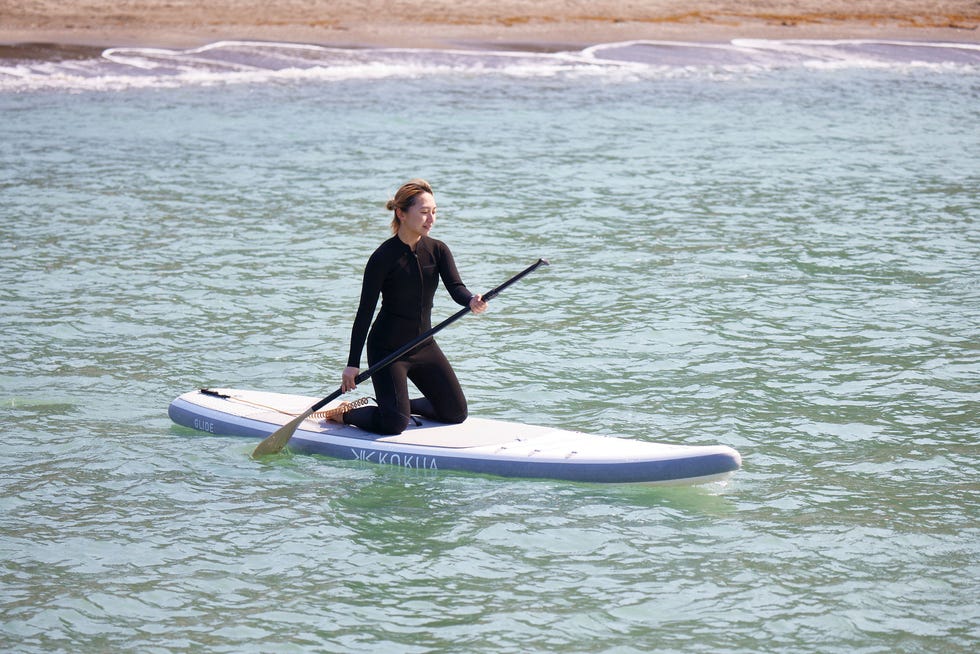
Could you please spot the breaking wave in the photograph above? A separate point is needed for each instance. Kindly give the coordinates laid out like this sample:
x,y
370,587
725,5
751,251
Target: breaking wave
x,y
250,62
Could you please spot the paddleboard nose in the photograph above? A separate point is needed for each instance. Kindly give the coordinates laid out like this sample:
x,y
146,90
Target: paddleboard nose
x,y
736,457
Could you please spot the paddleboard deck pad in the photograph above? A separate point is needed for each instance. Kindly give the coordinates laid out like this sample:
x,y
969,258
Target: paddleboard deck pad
x,y
477,445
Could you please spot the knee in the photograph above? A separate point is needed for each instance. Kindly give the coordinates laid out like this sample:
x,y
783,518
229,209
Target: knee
x,y
456,419
391,423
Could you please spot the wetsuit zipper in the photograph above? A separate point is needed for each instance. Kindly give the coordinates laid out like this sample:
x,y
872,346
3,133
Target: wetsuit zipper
x,y
418,266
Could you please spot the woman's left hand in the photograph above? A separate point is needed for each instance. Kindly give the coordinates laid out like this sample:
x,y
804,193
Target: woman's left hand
x,y
477,305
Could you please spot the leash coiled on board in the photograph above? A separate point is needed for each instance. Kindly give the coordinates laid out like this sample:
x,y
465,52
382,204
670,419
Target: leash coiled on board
x,y
326,414
339,410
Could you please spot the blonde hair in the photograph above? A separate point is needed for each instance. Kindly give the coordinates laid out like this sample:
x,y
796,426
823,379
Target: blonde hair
x,y
405,198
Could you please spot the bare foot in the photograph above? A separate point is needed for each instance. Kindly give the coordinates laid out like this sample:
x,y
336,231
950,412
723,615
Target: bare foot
x,y
336,414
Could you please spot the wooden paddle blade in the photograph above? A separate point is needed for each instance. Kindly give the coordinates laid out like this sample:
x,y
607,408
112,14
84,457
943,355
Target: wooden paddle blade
x,y
277,440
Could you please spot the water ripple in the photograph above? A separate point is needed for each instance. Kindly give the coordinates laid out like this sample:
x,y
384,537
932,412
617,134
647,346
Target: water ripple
x,y
774,261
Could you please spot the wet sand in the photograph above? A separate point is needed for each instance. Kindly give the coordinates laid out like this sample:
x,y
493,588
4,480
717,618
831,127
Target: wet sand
x,y
546,24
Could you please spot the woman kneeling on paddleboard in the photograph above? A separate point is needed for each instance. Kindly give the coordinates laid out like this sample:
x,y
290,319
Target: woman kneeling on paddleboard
x,y
405,271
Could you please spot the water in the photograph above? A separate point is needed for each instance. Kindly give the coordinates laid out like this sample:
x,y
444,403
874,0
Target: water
x,y
775,251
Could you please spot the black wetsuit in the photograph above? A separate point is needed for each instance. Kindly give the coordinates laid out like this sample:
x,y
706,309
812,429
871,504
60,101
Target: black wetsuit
x,y
406,282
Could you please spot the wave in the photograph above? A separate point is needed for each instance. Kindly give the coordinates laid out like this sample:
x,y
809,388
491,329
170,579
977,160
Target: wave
x,y
250,62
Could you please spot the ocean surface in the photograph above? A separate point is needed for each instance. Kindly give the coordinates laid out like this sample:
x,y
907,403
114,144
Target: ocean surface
x,y
768,245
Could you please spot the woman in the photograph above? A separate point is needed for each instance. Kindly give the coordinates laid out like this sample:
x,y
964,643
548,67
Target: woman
x,y
405,271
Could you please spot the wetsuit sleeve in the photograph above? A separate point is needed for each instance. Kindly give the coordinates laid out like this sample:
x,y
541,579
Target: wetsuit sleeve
x,y
450,277
370,291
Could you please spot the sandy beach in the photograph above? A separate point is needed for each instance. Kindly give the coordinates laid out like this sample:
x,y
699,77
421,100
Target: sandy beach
x,y
504,23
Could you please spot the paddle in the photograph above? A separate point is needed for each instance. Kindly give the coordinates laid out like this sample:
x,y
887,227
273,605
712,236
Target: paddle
x,y
274,443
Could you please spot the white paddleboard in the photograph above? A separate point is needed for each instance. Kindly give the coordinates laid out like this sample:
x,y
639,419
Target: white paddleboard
x,y
478,445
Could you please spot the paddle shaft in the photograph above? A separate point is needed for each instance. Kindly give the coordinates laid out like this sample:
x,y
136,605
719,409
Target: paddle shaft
x,y
278,439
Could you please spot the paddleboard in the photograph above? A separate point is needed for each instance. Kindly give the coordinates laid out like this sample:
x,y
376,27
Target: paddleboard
x,y
479,445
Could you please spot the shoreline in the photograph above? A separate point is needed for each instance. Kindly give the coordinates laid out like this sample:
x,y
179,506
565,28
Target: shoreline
x,y
502,24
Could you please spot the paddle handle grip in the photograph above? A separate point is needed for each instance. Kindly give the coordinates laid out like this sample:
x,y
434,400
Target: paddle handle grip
x,y
489,295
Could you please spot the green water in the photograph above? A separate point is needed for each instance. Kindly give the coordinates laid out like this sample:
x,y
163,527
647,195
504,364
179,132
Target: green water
x,y
782,262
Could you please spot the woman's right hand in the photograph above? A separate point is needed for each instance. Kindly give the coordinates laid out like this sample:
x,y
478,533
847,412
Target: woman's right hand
x,y
348,379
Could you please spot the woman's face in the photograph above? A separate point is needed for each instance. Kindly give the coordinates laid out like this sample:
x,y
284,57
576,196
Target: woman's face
x,y
419,219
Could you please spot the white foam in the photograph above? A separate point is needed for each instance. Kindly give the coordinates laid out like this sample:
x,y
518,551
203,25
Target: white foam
x,y
247,62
